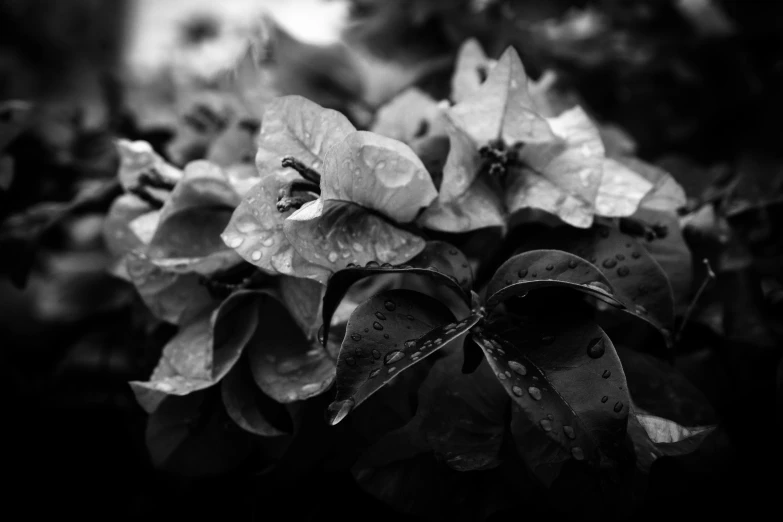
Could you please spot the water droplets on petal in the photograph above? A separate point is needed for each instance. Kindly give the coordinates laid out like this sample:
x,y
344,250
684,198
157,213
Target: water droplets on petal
x,y
517,391
535,393
393,357
390,306
517,367
380,316
546,424
377,325
596,348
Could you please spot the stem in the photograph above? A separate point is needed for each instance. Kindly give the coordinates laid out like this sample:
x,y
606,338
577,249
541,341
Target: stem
x,y
710,277
286,200
311,175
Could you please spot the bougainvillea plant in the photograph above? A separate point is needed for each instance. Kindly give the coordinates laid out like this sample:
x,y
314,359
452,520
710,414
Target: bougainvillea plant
x,y
446,281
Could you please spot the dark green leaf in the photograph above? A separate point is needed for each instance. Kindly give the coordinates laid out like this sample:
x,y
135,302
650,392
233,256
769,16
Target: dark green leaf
x,y
568,387
638,281
285,364
248,406
431,262
193,436
385,335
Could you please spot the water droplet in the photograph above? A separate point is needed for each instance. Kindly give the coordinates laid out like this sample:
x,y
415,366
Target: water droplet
x,y
410,317
268,241
618,406
351,265
390,306
508,373
366,330
522,273
332,257
606,374
256,255
387,265
604,398
392,369
546,424
534,274
569,431
376,354
246,224
501,376
600,286
385,336
517,367
620,257
636,255
380,165
393,357
577,453
547,339
338,410
550,267
380,316
623,271
596,348
377,325
235,242
350,361
411,344
573,264
372,264
356,337
374,373
641,309
534,392
609,263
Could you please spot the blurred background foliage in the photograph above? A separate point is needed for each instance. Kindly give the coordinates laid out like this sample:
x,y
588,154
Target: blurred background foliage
x,y
694,85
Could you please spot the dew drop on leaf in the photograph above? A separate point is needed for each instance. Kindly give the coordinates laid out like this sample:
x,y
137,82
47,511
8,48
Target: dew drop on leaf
x,y
350,361
573,264
636,255
359,352
609,263
517,391
391,370
390,306
620,257
641,309
332,257
623,271
546,424
235,242
604,398
501,376
577,453
618,406
534,392
522,273
393,357
374,373
600,286
339,409
517,367
376,354
550,267
372,264
356,337
380,316
606,374
377,325
385,336
596,348
569,431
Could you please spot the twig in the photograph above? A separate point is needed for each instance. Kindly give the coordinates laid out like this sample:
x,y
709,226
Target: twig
x,y
709,278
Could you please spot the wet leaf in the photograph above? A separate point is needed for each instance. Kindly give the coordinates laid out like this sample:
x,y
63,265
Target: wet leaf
x,y
295,126
193,436
470,71
377,173
464,203
168,295
568,386
255,231
409,115
431,263
655,437
207,346
385,335
638,281
247,405
333,234
501,108
285,364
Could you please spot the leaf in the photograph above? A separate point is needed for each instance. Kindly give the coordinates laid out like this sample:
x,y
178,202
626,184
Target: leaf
x,y
638,281
295,126
168,295
409,115
502,107
547,268
385,335
207,346
285,364
430,263
567,383
192,436
470,71
248,406
377,173
303,298
654,437
333,234
138,158
255,231
464,203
